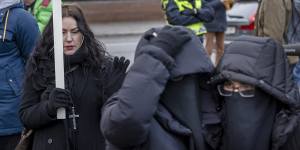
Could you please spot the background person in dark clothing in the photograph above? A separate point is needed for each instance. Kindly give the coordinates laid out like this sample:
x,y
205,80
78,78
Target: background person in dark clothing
x,y
165,102
18,35
261,102
215,31
91,77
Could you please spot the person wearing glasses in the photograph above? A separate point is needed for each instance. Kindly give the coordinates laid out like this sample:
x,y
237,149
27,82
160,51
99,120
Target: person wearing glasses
x,y
260,101
229,87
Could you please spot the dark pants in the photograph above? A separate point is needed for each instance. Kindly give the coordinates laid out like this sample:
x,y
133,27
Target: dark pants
x,y
9,142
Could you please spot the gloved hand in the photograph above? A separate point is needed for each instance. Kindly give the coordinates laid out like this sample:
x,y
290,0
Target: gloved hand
x,y
116,76
171,39
206,14
189,12
58,98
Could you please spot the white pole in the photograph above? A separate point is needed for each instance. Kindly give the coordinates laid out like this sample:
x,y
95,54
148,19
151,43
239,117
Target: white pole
x,y
58,52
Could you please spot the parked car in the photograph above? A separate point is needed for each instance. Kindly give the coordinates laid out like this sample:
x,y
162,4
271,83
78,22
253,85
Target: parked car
x,y
241,19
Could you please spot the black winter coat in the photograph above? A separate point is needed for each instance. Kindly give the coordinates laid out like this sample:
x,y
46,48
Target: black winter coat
x,y
219,24
153,112
87,89
262,62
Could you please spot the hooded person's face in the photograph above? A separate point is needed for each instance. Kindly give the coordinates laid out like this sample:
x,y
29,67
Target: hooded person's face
x,y
228,88
247,117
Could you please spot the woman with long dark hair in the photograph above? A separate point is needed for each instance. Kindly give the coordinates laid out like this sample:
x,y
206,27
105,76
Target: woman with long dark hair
x,y
91,76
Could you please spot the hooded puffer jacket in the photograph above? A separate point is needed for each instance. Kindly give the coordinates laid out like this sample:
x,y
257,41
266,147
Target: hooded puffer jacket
x,y
163,109
262,62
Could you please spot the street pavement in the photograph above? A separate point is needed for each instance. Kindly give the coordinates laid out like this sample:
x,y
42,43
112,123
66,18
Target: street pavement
x,y
121,38
123,28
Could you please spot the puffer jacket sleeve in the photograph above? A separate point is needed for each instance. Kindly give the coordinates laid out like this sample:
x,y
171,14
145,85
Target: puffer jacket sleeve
x,y
126,116
42,14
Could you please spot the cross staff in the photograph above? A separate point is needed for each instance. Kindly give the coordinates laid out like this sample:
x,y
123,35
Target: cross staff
x,y
58,52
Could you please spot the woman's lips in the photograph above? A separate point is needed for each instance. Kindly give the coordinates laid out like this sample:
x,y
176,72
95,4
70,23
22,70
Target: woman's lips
x,y
69,47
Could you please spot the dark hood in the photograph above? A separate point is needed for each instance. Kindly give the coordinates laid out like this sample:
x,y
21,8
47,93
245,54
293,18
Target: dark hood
x,y
192,59
262,62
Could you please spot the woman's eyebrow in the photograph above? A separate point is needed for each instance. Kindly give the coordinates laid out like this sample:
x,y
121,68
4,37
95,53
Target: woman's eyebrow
x,y
76,28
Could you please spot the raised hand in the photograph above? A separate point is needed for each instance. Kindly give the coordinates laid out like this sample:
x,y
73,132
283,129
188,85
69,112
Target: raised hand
x,y
171,39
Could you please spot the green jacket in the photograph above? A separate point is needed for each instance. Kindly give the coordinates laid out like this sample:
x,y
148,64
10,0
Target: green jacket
x,y
42,13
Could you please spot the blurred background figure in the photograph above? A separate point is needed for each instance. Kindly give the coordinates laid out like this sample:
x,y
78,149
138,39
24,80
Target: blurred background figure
x,y
190,13
41,10
215,30
18,35
273,19
293,35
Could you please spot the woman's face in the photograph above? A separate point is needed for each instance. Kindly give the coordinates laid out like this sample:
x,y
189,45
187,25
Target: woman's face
x,y
73,38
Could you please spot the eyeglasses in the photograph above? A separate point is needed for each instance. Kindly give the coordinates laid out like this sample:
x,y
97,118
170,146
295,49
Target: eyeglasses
x,y
227,89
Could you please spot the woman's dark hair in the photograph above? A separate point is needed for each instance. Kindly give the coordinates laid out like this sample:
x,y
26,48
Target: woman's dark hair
x,y
95,49
41,63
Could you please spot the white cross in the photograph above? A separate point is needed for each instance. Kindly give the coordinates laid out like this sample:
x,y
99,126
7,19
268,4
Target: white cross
x,y
74,116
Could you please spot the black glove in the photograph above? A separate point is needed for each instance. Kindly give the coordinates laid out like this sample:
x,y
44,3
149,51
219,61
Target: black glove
x,y
171,39
116,76
189,12
206,14
58,98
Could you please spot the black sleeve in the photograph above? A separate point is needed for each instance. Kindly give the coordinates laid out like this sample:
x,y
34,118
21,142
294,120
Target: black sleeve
x,y
113,79
207,11
33,110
